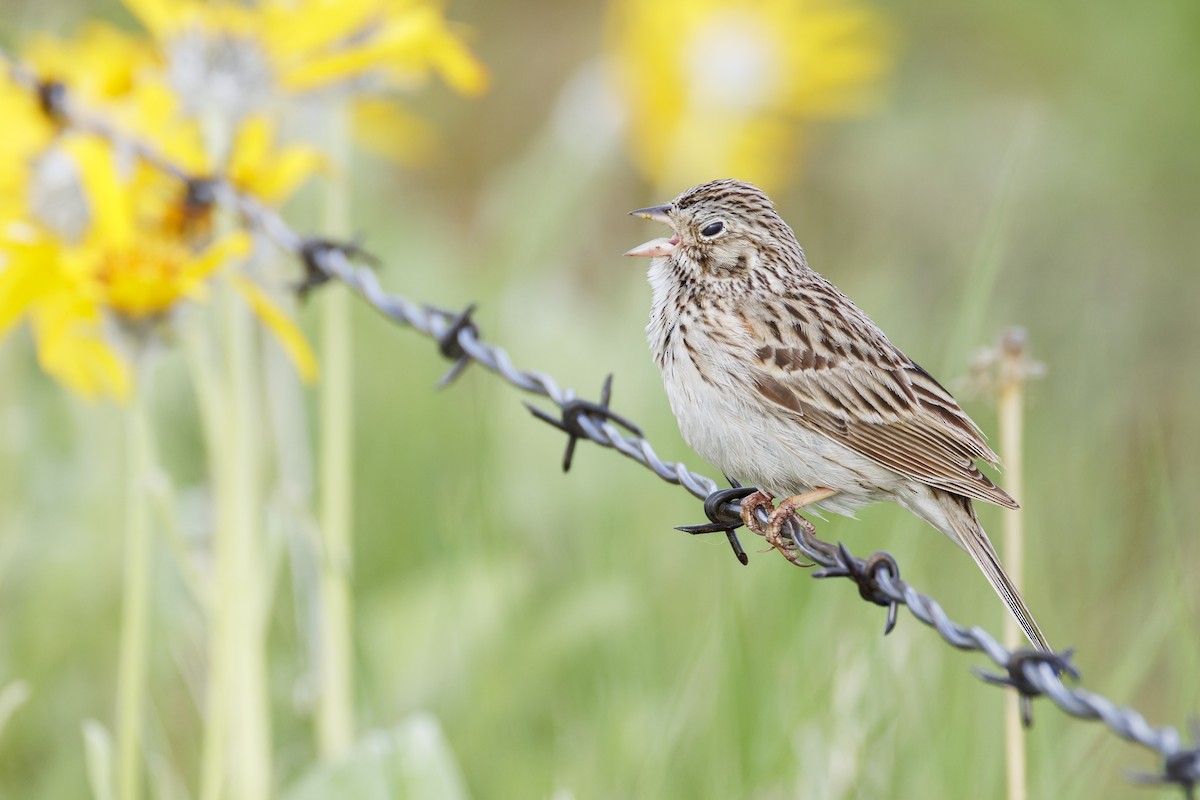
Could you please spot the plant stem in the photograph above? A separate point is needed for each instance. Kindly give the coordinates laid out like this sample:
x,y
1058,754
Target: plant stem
x,y
335,703
210,392
237,747
241,579
1011,408
135,607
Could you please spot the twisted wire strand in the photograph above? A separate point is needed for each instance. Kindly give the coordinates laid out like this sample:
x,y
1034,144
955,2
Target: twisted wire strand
x,y
1030,674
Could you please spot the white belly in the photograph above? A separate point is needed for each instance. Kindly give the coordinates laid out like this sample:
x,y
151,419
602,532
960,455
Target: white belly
x,y
756,447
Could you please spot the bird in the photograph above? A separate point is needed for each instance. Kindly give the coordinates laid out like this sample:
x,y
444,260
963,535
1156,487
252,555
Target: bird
x,y
778,379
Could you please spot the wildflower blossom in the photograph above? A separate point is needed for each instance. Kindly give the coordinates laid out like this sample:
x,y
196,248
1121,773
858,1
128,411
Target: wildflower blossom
x,y
239,57
120,274
100,63
717,88
255,162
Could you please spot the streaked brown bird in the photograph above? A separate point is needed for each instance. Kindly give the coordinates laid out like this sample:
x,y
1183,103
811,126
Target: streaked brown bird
x,y
780,381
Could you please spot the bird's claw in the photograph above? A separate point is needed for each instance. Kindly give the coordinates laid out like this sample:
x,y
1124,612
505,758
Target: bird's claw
x,y
750,506
783,542
777,518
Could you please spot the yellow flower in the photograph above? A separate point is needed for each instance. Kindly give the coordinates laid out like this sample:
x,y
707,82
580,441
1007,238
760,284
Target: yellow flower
x,y
99,64
100,67
386,128
720,88
24,132
255,163
67,324
236,57
121,276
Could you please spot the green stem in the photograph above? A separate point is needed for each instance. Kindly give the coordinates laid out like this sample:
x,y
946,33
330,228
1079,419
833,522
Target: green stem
x,y
135,609
239,592
237,746
236,754
335,704
210,391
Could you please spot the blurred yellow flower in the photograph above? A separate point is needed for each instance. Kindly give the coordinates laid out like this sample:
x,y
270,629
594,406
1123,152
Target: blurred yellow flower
x,y
100,67
121,275
235,58
255,163
24,132
99,64
67,324
720,88
388,129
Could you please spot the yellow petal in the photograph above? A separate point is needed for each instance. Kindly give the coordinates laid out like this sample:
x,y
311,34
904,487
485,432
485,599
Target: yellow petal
x,y
27,275
296,29
226,249
270,176
319,71
71,349
252,145
459,67
279,323
99,62
108,199
89,367
291,168
422,40
384,127
155,115
158,16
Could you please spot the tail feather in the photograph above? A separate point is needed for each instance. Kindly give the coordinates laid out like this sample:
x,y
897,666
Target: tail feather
x,y
971,536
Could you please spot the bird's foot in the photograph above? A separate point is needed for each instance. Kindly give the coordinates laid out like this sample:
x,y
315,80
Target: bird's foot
x,y
750,505
783,544
787,508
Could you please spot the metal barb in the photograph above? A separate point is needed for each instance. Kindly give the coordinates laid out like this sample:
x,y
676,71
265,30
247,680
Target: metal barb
x,y
314,252
865,573
324,260
723,517
450,347
1181,767
1023,676
200,194
573,410
52,99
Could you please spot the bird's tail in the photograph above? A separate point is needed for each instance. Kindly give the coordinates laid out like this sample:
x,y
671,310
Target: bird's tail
x,y
970,534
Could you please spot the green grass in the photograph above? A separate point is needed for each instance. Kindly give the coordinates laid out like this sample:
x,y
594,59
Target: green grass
x,y
1035,166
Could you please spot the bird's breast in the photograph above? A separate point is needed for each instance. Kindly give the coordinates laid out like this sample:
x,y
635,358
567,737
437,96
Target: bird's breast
x,y
704,363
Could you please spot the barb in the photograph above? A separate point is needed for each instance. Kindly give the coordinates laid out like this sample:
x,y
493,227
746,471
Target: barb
x,y
716,507
458,339
571,413
865,573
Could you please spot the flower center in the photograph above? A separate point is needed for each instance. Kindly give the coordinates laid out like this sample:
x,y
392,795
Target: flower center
x,y
731,62
219,72
56,198
142,280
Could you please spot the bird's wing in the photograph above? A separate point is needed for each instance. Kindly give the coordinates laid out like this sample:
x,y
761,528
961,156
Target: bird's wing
x,y
858,389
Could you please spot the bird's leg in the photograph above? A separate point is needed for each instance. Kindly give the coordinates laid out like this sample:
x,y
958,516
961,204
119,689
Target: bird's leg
x,y
783,512
751,504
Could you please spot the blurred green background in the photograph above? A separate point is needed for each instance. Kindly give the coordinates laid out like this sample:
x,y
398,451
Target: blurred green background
x,y
1034,164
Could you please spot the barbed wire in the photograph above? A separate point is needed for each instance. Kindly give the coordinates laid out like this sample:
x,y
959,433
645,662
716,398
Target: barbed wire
x,y
1030,673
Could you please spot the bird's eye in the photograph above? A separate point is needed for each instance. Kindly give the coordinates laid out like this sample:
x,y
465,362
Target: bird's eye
x,y
712,229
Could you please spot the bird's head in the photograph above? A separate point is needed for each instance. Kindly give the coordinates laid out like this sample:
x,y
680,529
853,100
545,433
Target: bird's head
x,y
722,229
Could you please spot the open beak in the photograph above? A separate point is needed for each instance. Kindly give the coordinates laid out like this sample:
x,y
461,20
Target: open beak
x,y
654,247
